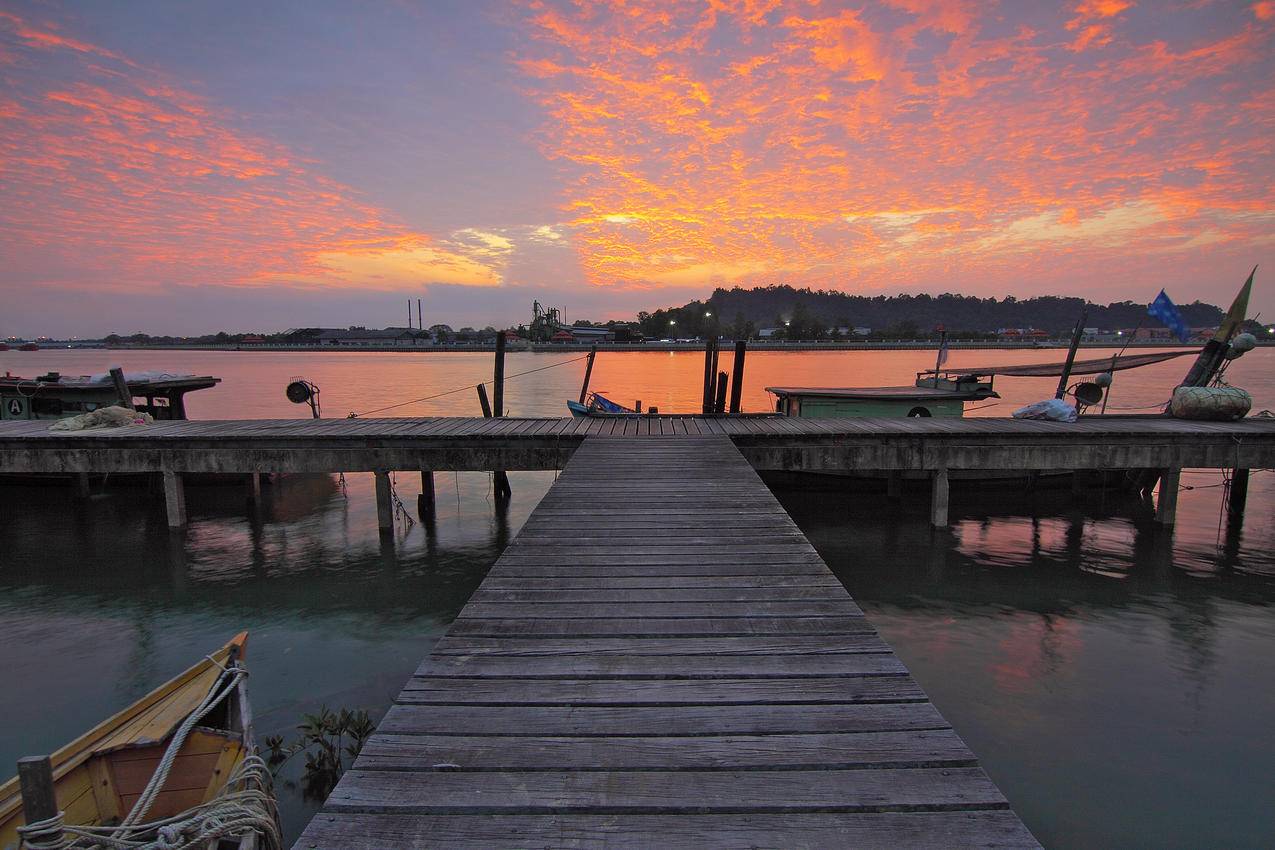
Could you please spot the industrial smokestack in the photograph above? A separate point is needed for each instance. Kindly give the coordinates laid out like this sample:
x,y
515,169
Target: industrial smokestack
x,y
419,325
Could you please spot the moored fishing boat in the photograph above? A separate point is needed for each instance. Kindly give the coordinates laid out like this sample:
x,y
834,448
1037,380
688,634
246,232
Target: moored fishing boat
x,y
177,769
56,396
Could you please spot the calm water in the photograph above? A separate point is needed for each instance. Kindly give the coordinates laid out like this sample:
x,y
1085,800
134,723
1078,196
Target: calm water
x,y
1117,683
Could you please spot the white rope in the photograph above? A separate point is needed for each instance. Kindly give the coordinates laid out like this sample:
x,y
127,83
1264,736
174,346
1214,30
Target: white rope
x,y
156,784
244,803
47,834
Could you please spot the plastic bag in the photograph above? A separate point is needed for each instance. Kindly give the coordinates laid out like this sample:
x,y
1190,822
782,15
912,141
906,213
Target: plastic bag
x,y
1052,410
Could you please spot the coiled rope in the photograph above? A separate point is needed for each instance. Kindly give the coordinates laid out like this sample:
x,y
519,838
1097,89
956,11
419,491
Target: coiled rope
x,y
244,803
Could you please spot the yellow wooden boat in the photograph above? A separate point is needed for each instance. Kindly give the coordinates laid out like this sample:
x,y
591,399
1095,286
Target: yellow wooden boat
x,y
185,752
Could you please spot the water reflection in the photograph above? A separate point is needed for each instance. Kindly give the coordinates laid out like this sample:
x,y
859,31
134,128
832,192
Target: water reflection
x,y
1114,676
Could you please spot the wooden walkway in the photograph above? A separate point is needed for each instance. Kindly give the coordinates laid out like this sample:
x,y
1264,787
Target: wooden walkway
x,y
663,664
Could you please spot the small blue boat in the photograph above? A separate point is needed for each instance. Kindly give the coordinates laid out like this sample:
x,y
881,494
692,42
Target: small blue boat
x,y
599,405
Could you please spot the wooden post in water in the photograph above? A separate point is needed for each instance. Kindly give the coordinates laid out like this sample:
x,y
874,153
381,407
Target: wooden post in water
x,y
737,375
384,501
121,388
1239,493
588,373
174,499
425,504
500,477
254,488
939,500
706,405
1166,504
498,377
39,796
82,488
719,404
482,401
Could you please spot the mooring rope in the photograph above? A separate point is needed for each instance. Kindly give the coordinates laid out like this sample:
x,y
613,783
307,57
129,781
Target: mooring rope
x,y
354,415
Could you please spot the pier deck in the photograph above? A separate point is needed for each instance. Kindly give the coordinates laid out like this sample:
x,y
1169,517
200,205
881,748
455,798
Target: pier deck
x,y
661,659
768,443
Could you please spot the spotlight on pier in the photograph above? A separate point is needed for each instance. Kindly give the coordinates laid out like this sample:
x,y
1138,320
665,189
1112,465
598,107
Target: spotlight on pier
x,y
301,391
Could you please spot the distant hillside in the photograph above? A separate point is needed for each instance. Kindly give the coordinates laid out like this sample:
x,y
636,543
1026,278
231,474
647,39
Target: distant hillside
x,y
740,310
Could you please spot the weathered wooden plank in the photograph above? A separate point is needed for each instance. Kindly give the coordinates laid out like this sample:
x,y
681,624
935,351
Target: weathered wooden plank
x,y
657,792
666,666
667,594
660,720
580,692
669,610
935,748
703,645
682,831
501,581
660,627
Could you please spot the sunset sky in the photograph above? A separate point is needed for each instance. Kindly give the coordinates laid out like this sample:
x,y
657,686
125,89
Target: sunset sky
x,y
191,167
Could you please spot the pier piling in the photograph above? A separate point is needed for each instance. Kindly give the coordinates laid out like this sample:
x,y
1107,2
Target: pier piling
x,y
82,489
254,488
939,500
425,504
1166,503
384,501
1238,497
174,499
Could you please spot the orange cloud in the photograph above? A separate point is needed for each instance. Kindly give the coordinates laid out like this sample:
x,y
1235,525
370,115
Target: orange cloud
x,y
868,148
119,179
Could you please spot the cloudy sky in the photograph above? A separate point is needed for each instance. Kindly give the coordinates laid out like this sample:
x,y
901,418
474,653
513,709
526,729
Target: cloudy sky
x,y
194,166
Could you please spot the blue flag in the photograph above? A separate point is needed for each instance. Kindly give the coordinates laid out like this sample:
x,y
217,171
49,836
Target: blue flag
x,y
1167,312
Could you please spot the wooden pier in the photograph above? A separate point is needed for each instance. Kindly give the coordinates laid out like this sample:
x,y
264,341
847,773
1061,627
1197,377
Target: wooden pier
x,y
935,447
661,659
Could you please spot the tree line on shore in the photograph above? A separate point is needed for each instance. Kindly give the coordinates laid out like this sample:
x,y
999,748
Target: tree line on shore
x,y
806,314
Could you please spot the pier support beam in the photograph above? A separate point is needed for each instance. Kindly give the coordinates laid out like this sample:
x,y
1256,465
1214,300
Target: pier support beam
x,y
939,500
425,502
894,484
384,502
1238,496
254,488
174,499
1166,504
82,490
